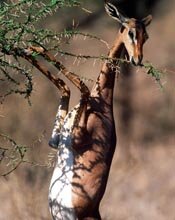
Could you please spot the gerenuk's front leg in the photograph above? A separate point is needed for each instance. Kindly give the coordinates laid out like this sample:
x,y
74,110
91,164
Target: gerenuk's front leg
x,y
59,120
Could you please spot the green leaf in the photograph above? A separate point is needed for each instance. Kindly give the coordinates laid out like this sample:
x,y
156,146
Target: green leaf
x,y
53,2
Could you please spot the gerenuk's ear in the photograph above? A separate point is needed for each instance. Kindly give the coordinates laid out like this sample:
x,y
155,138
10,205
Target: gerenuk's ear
x,y
147,20
113,12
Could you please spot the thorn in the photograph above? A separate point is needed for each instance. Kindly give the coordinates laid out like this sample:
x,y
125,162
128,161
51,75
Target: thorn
x,y
73,23
75,61
87,10
94,62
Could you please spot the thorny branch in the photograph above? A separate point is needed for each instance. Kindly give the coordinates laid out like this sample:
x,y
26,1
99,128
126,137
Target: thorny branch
x,y
13,155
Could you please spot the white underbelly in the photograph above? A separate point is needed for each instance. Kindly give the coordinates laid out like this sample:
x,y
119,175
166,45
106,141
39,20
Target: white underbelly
x,y
60,190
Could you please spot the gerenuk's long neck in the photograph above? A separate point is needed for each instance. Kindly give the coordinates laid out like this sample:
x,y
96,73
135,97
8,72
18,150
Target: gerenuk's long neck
x,y
105,82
